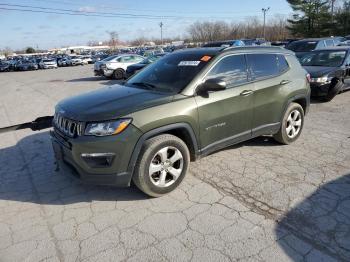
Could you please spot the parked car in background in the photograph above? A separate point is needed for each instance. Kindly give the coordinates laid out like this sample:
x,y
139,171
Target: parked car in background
x,y
115,66
25,65
87,59
77,60
96,58
184,106
47,63
227,43
64,62
249,42
301,47
133,69
329,70
5,66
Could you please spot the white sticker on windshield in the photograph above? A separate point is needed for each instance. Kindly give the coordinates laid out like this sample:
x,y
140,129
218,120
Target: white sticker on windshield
x,y
189,63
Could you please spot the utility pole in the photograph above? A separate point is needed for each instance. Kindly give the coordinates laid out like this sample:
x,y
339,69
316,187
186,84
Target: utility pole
x,y
332,8
161,32
264,10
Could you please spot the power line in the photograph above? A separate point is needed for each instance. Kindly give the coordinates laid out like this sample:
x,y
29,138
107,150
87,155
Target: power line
x,y
147,10
48,10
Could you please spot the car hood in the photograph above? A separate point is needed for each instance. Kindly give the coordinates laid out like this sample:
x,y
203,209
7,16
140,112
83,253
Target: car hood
x,y
319,71
110,103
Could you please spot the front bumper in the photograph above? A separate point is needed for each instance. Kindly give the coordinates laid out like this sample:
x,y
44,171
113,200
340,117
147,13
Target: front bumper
x,y
319,89
69,152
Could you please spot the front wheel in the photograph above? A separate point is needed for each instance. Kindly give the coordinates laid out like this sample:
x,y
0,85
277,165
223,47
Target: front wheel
x,y
292,125
162,165
119,74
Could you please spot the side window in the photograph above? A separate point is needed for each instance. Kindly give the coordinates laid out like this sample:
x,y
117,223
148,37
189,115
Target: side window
x,y
232,69
329,42
137,59
127,59
282,63
263,65
321,44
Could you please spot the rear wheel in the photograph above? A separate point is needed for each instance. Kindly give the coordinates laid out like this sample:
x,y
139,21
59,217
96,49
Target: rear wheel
x,y
162,165
292,125
119,74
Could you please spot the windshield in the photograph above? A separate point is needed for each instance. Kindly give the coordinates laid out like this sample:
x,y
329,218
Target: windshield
x,y
48,60
171,73
304,46
110,58
324,58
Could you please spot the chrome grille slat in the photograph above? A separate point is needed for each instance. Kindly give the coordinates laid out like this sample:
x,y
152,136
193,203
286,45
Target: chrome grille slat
x,y
67,126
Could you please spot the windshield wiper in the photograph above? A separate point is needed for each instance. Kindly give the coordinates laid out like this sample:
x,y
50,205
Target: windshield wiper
x,y
142,84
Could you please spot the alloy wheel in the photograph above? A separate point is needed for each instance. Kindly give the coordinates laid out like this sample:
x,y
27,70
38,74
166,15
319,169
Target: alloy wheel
x,y
166,166
294,122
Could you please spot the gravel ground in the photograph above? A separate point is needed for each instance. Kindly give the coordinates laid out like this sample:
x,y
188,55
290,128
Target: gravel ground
x,y
256,201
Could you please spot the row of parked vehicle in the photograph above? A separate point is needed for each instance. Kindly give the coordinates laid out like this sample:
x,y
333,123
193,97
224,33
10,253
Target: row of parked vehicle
x,y
47,62
327,60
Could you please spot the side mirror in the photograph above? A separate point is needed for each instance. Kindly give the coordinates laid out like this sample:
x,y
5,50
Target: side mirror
x,y
214,84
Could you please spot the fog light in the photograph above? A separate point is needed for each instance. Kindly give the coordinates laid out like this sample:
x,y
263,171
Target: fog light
x,y
98,160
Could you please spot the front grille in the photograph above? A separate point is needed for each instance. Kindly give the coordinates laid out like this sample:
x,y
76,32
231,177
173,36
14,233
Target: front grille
x,y
67,126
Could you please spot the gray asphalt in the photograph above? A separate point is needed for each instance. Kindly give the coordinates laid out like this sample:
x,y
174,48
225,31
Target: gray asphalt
x,y
256,201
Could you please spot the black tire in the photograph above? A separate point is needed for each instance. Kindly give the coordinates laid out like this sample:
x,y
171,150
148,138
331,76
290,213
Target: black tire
x,y
119,74
142,178
334,89
282,135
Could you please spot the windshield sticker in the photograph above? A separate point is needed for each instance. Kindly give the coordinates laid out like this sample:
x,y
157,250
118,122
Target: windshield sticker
x,y
189,63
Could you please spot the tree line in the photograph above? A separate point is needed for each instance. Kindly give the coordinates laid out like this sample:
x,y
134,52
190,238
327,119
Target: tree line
x,y
318,18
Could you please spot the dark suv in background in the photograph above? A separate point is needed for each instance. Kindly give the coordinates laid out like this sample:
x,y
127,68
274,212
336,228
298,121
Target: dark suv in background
x,y
185,106
301,47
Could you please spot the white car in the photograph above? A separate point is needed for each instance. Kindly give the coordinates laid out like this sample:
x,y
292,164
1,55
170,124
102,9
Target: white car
x,y
47,63
87,59
77,60
115,66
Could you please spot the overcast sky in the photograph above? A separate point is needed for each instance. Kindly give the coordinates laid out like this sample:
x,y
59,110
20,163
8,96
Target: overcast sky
x,y
41,26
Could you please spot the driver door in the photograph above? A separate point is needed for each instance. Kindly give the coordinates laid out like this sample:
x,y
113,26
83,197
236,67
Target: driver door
x,y
225,117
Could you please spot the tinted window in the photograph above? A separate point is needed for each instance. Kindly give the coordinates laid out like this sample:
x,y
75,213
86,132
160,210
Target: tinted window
x,y
324,58
302,46
263,65
282,63
171,73
321,44
231,69
329,43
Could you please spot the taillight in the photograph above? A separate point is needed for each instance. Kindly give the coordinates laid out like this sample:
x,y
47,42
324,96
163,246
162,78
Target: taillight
x,y
308,77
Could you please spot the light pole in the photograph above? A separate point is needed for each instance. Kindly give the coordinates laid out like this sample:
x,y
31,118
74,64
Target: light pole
x,y
264,10
161,32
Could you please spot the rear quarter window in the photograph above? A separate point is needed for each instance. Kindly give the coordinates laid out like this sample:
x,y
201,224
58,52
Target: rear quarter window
x,y
282,63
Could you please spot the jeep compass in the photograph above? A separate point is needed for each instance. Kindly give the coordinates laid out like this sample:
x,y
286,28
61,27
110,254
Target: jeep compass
x,y
185,106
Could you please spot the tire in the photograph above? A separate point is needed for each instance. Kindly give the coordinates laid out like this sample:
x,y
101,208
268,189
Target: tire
x,y
292,125
119,74
158,151
334,89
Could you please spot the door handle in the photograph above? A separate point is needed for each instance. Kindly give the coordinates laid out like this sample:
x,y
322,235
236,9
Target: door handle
x,y
247,92
284,82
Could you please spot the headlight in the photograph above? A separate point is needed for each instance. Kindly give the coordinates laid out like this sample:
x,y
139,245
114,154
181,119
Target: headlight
x,y
323,79
107,128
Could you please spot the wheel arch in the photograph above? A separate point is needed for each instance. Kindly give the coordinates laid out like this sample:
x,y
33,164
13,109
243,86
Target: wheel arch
x,y
303,100
181,130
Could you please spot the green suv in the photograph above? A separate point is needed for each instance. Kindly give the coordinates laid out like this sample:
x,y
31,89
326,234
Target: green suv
x,y
184,106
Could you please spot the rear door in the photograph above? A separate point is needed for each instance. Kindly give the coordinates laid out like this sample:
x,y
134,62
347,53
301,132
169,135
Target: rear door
x,y
269,72
226,116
